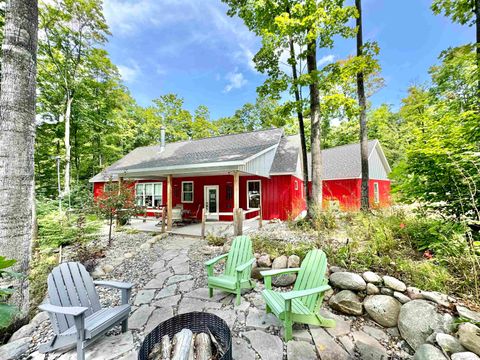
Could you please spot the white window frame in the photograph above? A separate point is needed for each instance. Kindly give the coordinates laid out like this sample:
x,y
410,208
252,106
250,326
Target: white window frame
x,y
259,190
376,193
153,192
183,200
296,185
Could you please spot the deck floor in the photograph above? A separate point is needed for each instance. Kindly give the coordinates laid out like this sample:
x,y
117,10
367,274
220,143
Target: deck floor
x,y
215,228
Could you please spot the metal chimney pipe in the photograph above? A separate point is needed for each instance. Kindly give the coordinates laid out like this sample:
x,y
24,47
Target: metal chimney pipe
x,y
162,139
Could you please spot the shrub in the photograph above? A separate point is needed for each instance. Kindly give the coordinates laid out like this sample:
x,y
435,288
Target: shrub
x,y
215,240
275,248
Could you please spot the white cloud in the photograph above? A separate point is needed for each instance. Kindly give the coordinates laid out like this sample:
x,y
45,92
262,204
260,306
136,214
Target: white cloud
x,y
129,73
325,60
236,80
206,23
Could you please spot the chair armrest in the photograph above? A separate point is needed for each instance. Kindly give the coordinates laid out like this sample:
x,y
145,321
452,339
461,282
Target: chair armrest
x,y
268,273
114,284
65,310
242,267
215,260
126,288
300,293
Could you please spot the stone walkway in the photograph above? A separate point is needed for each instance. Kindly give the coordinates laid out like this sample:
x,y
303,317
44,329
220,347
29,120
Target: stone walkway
x,y
178,285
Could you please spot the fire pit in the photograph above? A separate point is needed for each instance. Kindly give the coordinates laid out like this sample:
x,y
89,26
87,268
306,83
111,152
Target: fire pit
x,y
197,322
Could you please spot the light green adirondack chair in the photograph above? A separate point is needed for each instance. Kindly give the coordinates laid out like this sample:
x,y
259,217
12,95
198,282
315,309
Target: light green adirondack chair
x,y
301,305
237,269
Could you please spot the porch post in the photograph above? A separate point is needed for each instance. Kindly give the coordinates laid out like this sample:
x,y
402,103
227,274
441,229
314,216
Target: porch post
x,y
169,202
236,190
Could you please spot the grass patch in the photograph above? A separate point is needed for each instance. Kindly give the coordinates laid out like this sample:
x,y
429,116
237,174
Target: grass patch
x,y
276,248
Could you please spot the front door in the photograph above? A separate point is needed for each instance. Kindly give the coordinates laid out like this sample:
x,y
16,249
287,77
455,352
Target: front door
x,y
211,202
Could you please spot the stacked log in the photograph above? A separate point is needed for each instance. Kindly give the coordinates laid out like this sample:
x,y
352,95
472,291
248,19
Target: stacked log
x,y
187,346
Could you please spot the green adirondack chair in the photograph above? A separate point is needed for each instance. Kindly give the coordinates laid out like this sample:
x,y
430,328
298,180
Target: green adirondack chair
x,y
237,269
301,305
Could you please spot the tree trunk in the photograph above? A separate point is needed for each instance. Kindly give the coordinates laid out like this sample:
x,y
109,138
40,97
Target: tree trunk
x,y
110,230
17,138
316,194
477,25
365,204
301,125
68,114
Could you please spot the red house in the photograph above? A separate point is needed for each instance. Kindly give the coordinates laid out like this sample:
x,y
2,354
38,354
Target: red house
x,y
248,171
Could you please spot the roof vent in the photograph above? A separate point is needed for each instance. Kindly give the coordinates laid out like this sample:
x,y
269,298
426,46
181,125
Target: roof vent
x,y
162,139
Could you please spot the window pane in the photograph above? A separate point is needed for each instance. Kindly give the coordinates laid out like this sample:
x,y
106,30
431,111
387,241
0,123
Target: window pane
x,y
187,196
254,194
158,189
139,200
139,189
149,189
187,186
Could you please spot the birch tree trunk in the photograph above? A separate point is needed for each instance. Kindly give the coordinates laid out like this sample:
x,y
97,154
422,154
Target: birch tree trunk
x,y
301,124
68,149
365,203
17,137
316,194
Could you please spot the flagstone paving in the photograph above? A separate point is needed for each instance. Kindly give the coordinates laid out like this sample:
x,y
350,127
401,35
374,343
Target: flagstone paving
x,y
175,284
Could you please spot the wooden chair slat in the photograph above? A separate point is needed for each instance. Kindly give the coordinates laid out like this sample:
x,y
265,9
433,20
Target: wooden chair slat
x,y
64,299
80,288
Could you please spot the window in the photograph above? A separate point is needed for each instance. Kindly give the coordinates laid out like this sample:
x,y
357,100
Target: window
x,y
148,194
187,191
253,194
296,185
376,193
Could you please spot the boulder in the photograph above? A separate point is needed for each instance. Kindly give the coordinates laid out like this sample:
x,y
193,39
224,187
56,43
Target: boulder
x,y
256,272
467,355
284,280
401,297
280,262
372,277
436,297
467,313
368,348
469,336
372,289
414,293
348,281
383,309
386,291
448,343
293,261
394,283
428,352
264,261
15,349
347,302
334,269
417,320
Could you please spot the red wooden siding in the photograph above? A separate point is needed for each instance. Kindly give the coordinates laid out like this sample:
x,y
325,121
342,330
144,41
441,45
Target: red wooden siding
x,y
282,196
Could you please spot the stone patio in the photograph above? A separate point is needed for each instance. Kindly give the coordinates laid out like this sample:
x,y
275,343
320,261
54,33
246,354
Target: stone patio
x,y
177,284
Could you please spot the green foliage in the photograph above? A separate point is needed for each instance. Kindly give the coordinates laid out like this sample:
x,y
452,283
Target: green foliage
x,y
423,249
275,248
460,11
57,229
441,163
215,240
7,311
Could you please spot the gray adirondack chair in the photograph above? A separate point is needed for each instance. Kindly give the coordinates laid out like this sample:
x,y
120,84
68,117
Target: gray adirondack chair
x,y
75,311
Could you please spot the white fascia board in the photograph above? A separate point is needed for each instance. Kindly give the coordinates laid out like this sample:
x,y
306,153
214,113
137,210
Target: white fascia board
x,y
196,166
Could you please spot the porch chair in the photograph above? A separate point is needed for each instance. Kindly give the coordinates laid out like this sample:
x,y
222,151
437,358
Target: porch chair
x,y
75,311
238,268
301,305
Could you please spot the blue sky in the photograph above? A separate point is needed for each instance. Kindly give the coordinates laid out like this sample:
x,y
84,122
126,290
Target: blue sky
x,y
192,48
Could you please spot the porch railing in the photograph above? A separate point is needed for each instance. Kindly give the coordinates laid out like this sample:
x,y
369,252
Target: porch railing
x,y
238,216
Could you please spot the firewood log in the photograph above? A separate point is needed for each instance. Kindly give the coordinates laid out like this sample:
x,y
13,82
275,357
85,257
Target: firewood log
x,y
203,347
182,342
155,352
166,348
191,355
216,345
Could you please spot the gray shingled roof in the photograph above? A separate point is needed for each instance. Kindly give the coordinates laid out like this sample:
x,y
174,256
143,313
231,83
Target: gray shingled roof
x,y
218,149
342,162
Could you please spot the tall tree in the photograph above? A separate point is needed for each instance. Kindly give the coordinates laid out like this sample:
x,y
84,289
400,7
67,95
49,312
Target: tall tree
x,y
362,103
465,12
71,31
17,137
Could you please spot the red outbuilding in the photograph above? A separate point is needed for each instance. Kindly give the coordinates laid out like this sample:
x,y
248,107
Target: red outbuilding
x,y
259,169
